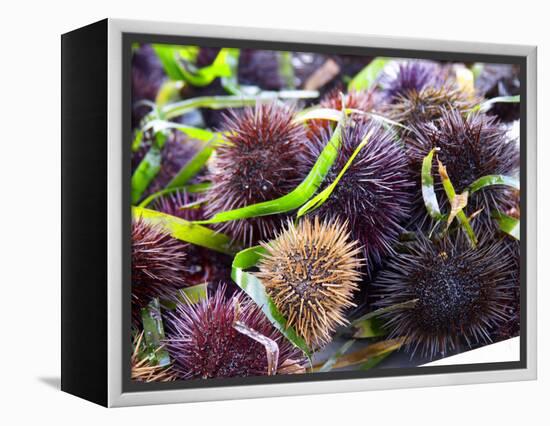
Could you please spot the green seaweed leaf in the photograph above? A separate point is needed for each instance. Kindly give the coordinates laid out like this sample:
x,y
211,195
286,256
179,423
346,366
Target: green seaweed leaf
x,y
451,195
508,224
372,327
491,180
169,92
367,355
148,168
154,333
329,363
192,167
330,114
371,324
223,66
428,191
368,75
322,196
246,259
187,231
193,189
178,65
232,101
188,296
488,104
167,57
375,360
297,197
286,69
193,132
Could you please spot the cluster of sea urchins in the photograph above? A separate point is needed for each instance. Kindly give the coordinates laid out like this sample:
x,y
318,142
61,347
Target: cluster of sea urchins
x,y
451,295
263,159
444,292
227,337
311,272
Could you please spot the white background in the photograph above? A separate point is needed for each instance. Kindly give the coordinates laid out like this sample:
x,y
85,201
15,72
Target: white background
x,y
30,209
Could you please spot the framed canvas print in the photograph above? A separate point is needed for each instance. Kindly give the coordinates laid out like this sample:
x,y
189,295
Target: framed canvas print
x,y
251,212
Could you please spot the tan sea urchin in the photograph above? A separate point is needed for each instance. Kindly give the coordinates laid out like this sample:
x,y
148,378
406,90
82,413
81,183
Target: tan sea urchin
x,y
310,271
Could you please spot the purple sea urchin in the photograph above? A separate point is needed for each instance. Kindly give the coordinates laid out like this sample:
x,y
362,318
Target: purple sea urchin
x,y
470,147
263,160
311,272
511,327
461,293
411,76
203,341
158,264
374,194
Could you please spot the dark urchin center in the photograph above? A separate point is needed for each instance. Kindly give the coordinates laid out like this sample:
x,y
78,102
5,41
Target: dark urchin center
x,y
447,293
352,191
463,170
307,270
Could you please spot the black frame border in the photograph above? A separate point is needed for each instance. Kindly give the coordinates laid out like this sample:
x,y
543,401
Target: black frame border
x,y
129,38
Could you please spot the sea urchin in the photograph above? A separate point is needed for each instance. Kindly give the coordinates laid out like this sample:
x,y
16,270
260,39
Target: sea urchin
x,y
411,76
461,293
310,271
262,160
428,104
470,147
374,192
158,264
204,340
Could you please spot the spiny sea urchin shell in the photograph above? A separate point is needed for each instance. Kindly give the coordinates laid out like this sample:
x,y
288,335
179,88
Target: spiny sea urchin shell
x,y
158,264
311,272
511,327
411,76
374,194
263,160
461,293
203,341
470,147
428,104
